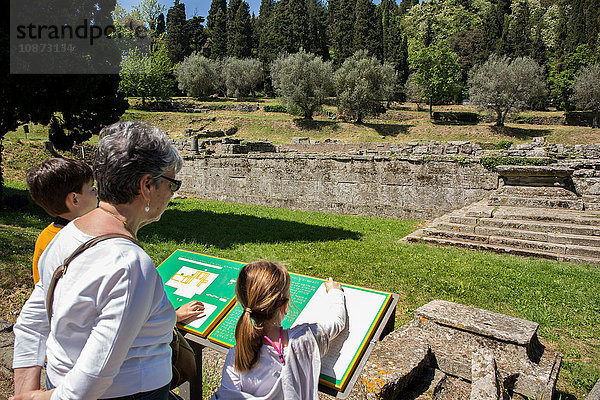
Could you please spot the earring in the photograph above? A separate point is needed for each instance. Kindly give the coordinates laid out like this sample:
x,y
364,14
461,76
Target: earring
x,y
147,208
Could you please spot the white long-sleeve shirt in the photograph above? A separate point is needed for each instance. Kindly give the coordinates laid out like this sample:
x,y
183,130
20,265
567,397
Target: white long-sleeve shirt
x,y
298,379
111,326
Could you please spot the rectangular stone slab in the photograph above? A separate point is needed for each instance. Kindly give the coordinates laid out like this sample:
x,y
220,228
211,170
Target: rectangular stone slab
x,y
482,322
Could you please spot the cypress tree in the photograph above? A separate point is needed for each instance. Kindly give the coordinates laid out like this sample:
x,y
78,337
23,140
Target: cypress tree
x,y
196,32
240,33
264,12
265,32
317,26
218,36
215,7
389,10
592,23
161,27
519,36
298,26
231,15
342,30
365,28
177,36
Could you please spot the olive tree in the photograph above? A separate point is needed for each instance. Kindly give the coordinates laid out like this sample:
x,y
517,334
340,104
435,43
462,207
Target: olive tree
x,y
197,75
303,80
361,84
586,91
504,85
241,76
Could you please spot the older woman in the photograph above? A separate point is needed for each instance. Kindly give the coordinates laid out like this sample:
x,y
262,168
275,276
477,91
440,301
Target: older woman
x,y
112,323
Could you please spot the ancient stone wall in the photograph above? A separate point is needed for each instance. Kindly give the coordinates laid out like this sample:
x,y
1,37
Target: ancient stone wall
x,y
393,187
406,180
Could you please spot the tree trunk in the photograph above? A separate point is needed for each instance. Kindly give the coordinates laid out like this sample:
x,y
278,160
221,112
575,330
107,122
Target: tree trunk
x,y
430,109
595,119
308,114
499,119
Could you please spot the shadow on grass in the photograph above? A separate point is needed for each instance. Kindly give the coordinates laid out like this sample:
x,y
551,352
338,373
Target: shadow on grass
x,y
225,230
18,209
389,129
520,133
311,124
558,395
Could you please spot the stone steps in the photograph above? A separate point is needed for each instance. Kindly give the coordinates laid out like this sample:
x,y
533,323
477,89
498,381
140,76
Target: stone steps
x,y
528,225
549,237
564,235
536,202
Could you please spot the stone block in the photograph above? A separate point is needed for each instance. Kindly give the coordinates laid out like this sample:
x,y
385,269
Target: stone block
x,y
394,363
454,331
485,376
300,140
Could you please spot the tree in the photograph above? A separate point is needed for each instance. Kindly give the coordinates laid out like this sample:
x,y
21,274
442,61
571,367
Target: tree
x,y
365,29
562,74
414,92
303,80
177,36
241,76
342,29
197,75
504,85
161,26
586,91
317,28
74,106
215,7
361,83
240,32
436,70
218,36
196,33
147,74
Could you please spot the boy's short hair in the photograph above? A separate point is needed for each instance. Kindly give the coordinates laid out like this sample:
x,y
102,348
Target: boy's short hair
x,y
50,182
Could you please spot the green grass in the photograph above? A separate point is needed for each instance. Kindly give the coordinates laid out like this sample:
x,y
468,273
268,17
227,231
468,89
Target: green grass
x,y
561,297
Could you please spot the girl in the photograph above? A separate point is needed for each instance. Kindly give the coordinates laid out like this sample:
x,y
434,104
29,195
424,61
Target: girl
x,y
269,362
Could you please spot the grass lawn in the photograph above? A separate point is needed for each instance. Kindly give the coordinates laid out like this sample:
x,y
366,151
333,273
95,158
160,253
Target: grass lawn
x,y
563,298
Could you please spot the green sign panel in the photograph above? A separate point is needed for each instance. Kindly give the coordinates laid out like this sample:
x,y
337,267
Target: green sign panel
x,y
193,276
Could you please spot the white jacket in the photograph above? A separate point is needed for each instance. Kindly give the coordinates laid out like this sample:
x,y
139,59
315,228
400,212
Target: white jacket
x,y
299,377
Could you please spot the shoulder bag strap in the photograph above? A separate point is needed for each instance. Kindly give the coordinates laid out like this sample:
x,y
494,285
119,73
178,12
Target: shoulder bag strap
x,y
62,269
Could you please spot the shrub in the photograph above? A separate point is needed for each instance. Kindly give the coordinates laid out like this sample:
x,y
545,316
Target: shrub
x,y
274,108
465,117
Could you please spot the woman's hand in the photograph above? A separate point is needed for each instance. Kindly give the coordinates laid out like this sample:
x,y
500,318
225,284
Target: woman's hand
x,y
331,284
190,311
33,395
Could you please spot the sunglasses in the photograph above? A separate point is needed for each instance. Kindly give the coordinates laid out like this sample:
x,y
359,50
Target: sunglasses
x,y
175,183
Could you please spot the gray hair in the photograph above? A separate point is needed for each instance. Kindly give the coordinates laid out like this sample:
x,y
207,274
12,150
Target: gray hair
x,y
126,152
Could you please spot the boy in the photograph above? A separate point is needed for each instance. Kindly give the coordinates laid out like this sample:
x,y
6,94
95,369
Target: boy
x,y
64,188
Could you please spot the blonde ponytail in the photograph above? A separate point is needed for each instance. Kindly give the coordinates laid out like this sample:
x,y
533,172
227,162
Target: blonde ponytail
x,y
261,289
